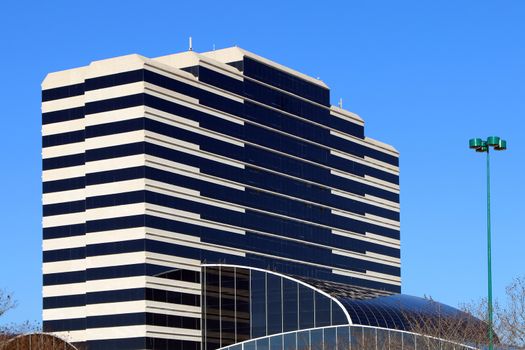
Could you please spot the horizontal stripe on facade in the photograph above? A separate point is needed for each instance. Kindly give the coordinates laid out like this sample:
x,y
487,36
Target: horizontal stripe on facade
x,y
64,301
257,220
102,177
180,87
263,245
304,213
64,185
222,170
142,343
277,265
303,108
115,103
64,127
211,144
354,128
248,153
122,295
271,166
302,270
63,138
250,219
75,183
282,122
63,115
64,208
176,278
101,273
296,106
253,197
319,237
248,132
280,228
106,81
277,186
255,179
175,85
78,159
64,254
251,260
62,92
269,246
298,127
285,81
393,287
205,256
63,161
249,198
113,152
310,132
78,253
262,180
139,318
64,231
216,78
64,278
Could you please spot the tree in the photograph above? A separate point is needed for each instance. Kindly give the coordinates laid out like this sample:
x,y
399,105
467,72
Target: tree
x,y
433,324
509,317
7,302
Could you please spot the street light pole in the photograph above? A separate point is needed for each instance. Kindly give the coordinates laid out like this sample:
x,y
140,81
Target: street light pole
x,y
489,257
484,146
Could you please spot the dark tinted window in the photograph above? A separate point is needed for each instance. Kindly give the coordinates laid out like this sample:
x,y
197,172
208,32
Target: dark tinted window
x,y
227,306
290,300
258,302
286,81
242,300
306,307
274,300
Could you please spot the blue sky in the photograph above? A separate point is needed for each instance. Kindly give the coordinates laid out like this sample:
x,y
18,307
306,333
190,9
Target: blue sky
x,y
424,75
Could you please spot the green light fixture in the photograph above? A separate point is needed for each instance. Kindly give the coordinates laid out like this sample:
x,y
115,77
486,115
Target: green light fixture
x,y
480,145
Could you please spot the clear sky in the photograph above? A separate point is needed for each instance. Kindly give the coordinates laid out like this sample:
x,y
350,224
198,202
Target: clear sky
x,y
424,75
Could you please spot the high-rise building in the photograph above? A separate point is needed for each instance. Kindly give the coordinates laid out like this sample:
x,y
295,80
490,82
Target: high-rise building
x,y
154,167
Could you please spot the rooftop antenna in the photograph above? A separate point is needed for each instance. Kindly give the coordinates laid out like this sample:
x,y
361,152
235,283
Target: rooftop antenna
x,y
213,47
341,102
191,45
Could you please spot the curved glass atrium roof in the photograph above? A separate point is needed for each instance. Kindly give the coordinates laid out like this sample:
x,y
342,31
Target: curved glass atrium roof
x,y
383,309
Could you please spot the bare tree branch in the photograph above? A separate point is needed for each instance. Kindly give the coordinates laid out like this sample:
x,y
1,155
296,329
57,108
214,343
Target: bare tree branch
x,y
509,318
462,328
6,302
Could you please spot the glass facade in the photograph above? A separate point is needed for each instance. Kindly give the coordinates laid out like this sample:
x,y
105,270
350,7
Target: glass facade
x,y
267,310
349,338
242,303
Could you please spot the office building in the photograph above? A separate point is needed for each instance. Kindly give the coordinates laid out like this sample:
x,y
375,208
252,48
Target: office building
x,y
156,168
